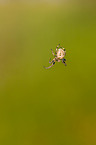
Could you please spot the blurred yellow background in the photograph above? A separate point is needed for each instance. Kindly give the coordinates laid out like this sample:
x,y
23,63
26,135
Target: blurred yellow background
x,y
55,106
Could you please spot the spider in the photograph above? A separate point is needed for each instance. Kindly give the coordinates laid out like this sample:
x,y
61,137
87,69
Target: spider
x,y
59,55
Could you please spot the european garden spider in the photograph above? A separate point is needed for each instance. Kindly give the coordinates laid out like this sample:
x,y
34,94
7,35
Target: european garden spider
x,y
59,55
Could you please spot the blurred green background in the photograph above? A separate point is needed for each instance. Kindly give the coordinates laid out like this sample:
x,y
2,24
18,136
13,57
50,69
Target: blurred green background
x,y
55,106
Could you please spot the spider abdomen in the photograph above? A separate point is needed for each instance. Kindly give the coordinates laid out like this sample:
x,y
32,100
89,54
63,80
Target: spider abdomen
x,y
60,53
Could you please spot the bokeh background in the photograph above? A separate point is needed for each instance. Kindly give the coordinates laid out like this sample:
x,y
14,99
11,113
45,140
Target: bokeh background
x,y
55,106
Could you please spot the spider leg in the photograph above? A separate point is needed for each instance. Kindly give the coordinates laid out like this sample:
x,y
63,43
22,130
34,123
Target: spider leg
x,y
57,48
50,61
53,53
53,62
63,61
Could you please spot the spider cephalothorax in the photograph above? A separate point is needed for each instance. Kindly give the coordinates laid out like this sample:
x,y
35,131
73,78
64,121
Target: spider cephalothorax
x,y
59,55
